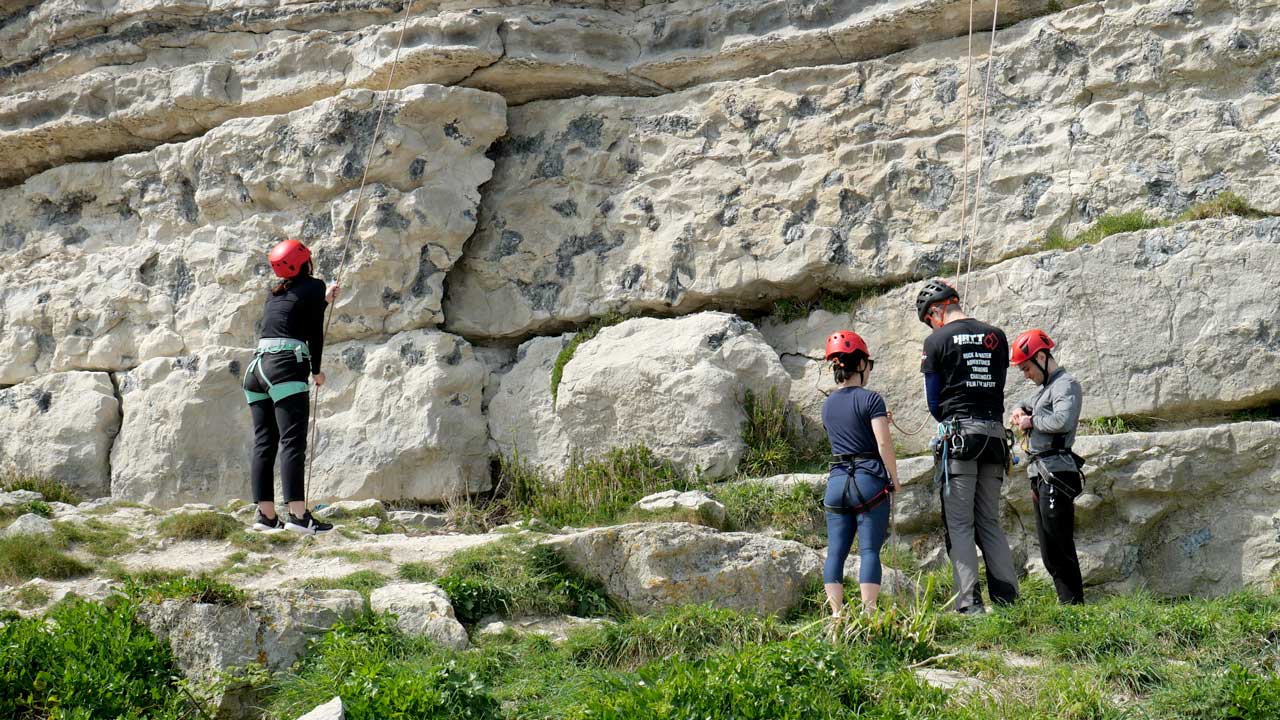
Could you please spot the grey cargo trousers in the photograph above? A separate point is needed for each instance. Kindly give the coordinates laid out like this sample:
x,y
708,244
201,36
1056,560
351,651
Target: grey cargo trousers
x,y
971,518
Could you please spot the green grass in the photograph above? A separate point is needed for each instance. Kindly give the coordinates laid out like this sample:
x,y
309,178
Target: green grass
x,y
1118,657
796,511
356,556
31,596
775,439
1117,424
93,660
158,587
95,537
417,572
588,331
205,525
837,303
510,577
261,542
1224,204
589,492
23,558
362,581
52,490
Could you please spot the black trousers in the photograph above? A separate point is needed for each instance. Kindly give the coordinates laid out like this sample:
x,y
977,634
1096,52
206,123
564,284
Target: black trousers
x,y
280,425
1055,527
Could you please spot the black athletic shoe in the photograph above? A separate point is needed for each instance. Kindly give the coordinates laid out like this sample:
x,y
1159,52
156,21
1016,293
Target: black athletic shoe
x,y
263,523
972,610
306,524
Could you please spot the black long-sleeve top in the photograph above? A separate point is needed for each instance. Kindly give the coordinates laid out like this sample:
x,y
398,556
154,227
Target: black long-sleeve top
x,y
298,313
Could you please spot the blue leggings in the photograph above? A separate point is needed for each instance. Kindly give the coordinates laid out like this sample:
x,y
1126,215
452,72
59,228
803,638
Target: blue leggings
x,y
870,528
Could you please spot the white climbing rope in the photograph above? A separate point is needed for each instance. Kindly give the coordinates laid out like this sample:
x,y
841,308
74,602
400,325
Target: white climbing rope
x,y
982,133
969,231
351,226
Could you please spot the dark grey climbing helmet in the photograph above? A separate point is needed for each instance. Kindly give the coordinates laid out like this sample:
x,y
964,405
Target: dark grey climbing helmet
x,y
936,290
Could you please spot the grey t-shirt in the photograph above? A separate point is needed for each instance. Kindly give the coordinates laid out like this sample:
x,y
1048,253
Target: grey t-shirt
x,y
1054,410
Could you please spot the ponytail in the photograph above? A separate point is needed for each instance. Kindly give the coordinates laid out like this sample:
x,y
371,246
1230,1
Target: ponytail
x,y
846,365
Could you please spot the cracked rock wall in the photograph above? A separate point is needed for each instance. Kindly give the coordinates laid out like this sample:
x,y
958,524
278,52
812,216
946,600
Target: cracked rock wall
x,y
545,164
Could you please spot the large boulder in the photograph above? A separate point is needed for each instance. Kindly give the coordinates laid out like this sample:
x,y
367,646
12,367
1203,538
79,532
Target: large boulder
x,y
272,630
1213,349
175,69
650,567
675,385
746,192
61,426
397,419
421,610
92,277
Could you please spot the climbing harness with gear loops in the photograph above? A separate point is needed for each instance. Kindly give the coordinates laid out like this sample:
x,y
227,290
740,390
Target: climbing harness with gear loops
x,y
276,391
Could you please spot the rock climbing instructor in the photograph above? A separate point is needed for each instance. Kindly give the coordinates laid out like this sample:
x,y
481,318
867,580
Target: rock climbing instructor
x,y
863,473
1048,420
964,365
276,387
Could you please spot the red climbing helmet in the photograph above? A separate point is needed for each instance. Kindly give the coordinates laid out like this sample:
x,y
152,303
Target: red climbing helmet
x,y
288,257
845,341
1026,345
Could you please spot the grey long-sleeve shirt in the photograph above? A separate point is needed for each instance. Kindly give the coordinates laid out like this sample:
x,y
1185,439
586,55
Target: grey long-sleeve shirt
x,y
1054,410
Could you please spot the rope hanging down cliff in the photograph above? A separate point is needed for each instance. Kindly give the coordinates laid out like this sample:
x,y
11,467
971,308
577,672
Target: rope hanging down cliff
x,y
968,232
351,226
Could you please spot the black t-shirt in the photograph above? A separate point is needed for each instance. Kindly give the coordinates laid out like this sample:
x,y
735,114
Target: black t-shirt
x,y
847,415
972,358
298,313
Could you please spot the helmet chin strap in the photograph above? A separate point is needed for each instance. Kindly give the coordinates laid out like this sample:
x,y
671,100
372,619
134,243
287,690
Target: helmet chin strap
x,y
1044,369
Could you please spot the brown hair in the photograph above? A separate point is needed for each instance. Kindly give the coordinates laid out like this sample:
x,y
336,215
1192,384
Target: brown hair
x,y
304,271
847,365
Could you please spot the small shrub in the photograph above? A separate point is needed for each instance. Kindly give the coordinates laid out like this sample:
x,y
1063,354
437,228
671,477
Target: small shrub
x,y
837,303
52,490
206,525
774,439
93,660
507,578
382,675
23,558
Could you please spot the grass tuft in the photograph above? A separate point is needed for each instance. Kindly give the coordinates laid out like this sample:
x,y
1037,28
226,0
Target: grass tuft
x,y
23,558
775,439
201,589
96,537
1117,424
206,525
52,490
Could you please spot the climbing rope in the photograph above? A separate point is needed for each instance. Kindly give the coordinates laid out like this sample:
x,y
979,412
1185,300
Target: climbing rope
x,y
351,226
969,232
964,174
982,134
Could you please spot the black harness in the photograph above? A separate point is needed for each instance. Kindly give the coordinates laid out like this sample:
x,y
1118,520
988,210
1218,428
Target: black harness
x,y
864,503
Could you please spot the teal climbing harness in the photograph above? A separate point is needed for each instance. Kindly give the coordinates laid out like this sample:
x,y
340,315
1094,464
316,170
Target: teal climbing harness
x,y
276,391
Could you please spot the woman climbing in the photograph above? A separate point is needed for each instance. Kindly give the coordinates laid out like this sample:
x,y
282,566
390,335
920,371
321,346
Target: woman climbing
x,y
275,386
864,471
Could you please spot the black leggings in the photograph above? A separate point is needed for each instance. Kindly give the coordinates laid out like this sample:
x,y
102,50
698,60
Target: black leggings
x,y
1055,528
284,425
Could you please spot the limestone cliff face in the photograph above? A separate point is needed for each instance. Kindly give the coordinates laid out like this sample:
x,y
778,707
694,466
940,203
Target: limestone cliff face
x,y
544,164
